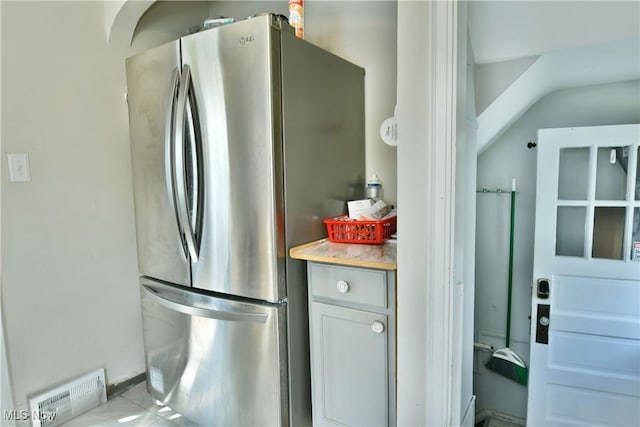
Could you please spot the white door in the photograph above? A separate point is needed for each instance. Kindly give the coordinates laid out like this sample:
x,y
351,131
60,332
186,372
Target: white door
x,y
585,318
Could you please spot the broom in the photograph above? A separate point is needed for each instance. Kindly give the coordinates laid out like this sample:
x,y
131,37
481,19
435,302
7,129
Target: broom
x,y
504,361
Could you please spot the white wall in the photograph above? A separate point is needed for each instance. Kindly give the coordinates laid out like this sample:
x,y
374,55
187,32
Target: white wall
x,y
491,80
509,157
364,32
6,398
68,245
168,20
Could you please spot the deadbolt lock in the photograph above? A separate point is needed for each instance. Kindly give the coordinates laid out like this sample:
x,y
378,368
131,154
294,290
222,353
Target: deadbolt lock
x,y
543,288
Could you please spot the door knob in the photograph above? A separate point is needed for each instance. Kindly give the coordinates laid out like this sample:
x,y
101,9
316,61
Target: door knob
x,y
377,327
343,287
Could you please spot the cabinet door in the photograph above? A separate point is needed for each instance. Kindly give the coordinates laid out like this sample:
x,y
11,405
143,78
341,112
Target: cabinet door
x,y
350,366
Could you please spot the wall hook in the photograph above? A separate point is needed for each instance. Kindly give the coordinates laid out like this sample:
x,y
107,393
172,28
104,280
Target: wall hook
x,y
531,144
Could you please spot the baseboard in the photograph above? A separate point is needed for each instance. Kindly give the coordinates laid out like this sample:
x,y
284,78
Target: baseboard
x,y
116,389
482,415
486,413
469,413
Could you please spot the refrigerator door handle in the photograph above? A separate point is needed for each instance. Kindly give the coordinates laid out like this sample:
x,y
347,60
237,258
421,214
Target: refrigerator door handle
x,y
169,160
195,171
179,153
234,316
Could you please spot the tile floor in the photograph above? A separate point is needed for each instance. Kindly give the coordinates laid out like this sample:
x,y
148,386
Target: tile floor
x,y
134,407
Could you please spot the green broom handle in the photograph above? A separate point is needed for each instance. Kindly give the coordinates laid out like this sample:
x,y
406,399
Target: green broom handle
x,y
510,284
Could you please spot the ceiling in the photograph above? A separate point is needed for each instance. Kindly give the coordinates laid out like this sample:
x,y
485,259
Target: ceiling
x,y
527,49
505,30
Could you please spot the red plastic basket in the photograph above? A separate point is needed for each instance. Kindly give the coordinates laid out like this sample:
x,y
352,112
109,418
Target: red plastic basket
x,y
342,229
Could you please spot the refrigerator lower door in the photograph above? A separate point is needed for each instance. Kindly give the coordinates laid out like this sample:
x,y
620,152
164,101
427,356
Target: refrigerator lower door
x,y
215,361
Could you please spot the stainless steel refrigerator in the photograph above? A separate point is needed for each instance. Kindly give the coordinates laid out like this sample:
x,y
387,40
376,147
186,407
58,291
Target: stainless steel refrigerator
x,y
243,138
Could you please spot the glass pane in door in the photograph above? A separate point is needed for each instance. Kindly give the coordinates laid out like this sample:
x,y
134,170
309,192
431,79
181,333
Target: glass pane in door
x,y
570,230
611,173
637,184
608,232
635,236
573,174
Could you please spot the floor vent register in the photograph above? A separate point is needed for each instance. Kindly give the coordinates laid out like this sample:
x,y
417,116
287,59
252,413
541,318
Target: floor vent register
x,y
68,400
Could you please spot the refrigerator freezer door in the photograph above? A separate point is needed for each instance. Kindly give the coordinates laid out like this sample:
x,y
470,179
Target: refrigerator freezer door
x,y
152,79
215,361
235,78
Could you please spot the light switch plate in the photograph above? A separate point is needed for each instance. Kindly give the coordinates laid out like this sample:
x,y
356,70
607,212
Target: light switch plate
x,y
19,168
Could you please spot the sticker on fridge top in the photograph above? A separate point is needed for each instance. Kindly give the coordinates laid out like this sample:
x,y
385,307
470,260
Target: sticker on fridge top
x,y
296,16
635,251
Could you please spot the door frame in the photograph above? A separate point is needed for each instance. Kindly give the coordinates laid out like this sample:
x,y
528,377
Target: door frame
x,y
429,360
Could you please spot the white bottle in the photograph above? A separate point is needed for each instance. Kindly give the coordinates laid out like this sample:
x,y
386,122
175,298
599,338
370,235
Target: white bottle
x,y
374,188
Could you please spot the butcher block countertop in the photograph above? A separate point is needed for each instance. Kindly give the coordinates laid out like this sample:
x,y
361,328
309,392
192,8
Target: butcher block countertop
x,y
381,256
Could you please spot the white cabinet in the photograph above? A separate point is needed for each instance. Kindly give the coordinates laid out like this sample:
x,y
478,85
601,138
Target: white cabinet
x,y
352,328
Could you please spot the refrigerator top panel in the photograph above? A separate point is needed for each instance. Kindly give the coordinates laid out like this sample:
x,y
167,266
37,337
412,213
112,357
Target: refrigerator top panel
x,y
234,77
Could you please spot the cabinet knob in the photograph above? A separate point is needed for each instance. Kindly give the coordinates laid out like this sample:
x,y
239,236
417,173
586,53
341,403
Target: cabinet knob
x,y
343,287
377,327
